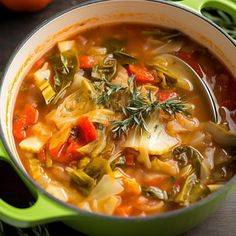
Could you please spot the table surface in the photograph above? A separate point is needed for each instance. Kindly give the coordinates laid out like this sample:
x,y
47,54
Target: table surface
x,y
13,28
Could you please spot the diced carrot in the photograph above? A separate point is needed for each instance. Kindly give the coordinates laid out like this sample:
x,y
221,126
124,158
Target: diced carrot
x,y
130,159
142,74
87,129
87,62
31,114
19,128
164,95
189,59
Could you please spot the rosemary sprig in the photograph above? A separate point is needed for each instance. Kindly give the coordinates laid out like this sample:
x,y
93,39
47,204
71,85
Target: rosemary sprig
x,y
109,89
140,108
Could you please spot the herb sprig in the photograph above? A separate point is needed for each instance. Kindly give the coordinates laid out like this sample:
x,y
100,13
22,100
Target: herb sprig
x,y
139,108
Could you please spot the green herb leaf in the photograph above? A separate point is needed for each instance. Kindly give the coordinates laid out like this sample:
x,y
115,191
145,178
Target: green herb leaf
x,y
114,44
124,58
64,66
106,70
185,155
119,161
154,192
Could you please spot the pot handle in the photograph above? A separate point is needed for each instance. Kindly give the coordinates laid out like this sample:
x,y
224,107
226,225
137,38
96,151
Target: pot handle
x,y
228,6
44,210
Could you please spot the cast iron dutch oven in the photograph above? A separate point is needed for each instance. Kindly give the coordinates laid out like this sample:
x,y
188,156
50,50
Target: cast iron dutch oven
x,y
183,15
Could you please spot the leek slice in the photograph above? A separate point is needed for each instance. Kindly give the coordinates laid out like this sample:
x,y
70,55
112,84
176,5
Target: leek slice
x,y
41,79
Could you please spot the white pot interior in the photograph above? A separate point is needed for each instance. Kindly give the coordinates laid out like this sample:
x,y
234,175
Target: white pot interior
x,y
76,20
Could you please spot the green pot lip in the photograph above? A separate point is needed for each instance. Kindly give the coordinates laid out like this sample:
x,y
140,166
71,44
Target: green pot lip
x,y
80,211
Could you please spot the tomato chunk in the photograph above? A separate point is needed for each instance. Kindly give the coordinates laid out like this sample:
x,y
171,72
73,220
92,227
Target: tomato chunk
x,y
164,95
142,74
87,129
19,128
66,152
31,114
87,62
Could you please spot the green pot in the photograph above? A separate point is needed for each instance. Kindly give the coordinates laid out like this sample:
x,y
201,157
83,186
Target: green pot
x,y
182,15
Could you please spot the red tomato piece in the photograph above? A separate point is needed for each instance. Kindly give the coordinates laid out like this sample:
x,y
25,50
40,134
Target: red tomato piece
x,y
142,74
130,159
31,114
19,128
87,62
87,129
65,153
164,95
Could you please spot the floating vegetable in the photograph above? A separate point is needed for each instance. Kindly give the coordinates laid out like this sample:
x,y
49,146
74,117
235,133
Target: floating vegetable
x,y
220,135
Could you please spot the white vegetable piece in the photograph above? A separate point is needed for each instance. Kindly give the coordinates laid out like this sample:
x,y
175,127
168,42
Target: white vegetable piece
x,y
157,142
57,191
31,144
107,187
66,45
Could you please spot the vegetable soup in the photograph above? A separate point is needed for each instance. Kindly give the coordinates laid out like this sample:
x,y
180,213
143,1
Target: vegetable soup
x,y
101,121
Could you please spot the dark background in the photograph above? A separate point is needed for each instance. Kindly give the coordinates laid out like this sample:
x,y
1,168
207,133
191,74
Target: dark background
x,y
13,28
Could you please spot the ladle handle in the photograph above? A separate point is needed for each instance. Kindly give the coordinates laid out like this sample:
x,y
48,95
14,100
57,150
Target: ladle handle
x,y
228,6
44,209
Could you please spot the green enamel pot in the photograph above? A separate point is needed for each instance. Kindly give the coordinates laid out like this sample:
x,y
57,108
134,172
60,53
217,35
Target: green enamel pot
x,y
182,15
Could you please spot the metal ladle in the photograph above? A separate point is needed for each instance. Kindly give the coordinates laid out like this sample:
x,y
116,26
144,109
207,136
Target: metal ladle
x,y
175,64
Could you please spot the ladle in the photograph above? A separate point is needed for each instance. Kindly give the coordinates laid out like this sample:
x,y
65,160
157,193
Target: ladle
x,y
180,68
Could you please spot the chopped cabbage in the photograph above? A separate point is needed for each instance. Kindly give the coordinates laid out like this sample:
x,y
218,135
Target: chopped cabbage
x,y
74,105
66,45
31,144
106,187
157,142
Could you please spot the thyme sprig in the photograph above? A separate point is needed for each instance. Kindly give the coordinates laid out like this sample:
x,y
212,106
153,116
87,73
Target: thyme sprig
x,y
140,108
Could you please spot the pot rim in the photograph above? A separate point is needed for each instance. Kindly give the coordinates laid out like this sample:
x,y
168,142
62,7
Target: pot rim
x,y
37,187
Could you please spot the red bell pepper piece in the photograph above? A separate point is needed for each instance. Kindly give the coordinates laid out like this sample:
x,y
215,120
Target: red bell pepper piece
x,y
164,95
31,114
87,62
142,74
66,152
86,129
19,128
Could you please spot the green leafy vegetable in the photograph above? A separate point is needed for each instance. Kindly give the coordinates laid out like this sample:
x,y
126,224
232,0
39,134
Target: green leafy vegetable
x,y
191,191
97,168
64,65
83,181
220,135
124,58
154,192
114,44
185,155
106,70
119,161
